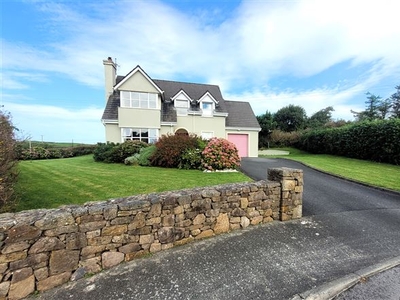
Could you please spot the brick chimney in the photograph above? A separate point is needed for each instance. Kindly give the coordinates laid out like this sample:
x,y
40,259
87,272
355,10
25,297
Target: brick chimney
x,y
110,74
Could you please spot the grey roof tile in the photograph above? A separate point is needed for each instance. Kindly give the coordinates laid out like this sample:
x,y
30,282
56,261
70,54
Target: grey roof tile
x,y
240,115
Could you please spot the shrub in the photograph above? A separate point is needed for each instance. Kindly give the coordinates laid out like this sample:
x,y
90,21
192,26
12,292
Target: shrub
x,y
103,151
191,159
8,163
169,149
220,154
280,138
373,140
132,160
145,154
116,153
26,153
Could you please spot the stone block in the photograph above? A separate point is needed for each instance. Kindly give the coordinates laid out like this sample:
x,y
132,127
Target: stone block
x,y
140,231
183,241
234,226
244,222
22,233
199,219
15,247
222,224
60,230
114,230
91,226
92,234
184,199
178,210
21,289
75,241
205,234
10,257
110,212
238,212
46,244
256,220
155,247
99,240
138,222
3,268
53,281
41,273
234,220
4,287
54,219
168,220
92,250
155,210
268,219
129,248
92,265
121,220
244,202
146,239
63,261
152,221
21,274
111,259
297,212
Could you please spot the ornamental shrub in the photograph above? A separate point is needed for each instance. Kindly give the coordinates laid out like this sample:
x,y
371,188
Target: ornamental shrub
x,y
191,159
169,149
220,154
132,160
145,154
116,153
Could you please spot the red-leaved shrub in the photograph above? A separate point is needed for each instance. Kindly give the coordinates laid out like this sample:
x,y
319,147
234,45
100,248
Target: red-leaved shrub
x,y
169,149
220,154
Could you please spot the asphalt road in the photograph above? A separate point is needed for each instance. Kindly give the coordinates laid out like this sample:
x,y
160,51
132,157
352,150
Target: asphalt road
x,y
347,227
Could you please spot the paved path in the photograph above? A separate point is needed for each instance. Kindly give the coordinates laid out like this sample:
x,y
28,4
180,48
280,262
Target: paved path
x,y
348,227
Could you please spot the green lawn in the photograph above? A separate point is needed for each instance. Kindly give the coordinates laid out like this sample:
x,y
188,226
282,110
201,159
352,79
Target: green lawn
x,y
371,173
51,183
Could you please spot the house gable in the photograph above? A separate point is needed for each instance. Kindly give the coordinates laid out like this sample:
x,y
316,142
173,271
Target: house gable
x,y
137,80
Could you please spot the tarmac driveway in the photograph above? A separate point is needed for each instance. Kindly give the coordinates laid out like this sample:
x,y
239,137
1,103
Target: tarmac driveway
x,y
348,227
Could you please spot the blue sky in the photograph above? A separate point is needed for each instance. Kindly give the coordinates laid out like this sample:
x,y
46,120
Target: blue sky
x,y
271,53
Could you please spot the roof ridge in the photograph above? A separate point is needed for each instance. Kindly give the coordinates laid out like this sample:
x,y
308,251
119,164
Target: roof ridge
x,y
185,82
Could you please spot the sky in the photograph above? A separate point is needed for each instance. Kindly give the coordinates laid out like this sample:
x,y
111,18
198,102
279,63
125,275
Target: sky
x,y
312,53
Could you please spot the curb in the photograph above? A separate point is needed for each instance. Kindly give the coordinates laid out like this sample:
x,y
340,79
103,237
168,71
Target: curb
x,y
331,289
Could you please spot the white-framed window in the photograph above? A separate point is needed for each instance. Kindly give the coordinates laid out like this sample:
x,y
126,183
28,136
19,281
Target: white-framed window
x,y
207,108
207,135
138,100
147,135
181,107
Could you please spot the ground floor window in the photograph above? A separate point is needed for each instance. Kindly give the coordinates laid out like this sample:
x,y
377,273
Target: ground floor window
x,y
146,135
207,135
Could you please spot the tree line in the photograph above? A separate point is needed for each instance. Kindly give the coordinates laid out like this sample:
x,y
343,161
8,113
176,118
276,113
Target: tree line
x,y
293,118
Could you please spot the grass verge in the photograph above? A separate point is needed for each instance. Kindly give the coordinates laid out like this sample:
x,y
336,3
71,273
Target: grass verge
x,y
368,172
51,183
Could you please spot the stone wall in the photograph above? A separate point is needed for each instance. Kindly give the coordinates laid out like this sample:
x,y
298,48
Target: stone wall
x,y
41,249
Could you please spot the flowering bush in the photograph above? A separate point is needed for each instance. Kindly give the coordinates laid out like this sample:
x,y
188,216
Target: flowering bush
x,y
220,154
190,159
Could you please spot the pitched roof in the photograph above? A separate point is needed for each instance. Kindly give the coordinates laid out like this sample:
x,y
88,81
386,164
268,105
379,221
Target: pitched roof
x,y
240,115
194,90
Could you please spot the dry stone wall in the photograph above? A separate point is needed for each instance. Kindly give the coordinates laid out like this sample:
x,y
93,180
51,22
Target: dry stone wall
x,y
41,249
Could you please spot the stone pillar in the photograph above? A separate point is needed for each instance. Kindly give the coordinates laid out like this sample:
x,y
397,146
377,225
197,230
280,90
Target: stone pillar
x,y
291,202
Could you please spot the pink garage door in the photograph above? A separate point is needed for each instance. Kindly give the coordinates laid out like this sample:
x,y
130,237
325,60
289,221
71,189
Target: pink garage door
x,y
241,141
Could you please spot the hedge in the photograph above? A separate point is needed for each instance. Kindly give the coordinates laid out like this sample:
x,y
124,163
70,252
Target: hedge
x,y
374,140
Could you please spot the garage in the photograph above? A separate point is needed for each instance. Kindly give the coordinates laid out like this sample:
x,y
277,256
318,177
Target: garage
x,y
241,141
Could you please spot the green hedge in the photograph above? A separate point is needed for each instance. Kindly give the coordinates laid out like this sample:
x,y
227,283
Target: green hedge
x,y
52,153
377,140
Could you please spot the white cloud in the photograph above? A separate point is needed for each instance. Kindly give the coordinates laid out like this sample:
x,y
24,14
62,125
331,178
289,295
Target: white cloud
x,y
56,123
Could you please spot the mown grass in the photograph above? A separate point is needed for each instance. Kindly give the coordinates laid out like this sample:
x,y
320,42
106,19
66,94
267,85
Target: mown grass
x,y
51,183
368,172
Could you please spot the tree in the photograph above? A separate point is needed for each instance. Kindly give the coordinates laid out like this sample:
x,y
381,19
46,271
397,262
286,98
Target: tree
x,y
384,108
321,117
371,112
8,162
290,118
267,124
395,103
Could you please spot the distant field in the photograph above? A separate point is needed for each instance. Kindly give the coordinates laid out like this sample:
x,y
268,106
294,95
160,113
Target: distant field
x,y
26,144
51,183
372,173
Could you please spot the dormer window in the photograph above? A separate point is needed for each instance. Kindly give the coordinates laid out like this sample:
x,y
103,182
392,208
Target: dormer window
x,y
207,104
181,103
138,100
207,108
